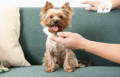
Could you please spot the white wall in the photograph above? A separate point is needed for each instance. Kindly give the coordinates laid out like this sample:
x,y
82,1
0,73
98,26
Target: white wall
x,y
41,3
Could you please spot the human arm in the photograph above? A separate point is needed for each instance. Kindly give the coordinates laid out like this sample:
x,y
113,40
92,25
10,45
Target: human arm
x,y
76,41
95,4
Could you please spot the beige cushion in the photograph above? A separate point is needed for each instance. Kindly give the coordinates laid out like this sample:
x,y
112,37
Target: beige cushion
x,y
11,53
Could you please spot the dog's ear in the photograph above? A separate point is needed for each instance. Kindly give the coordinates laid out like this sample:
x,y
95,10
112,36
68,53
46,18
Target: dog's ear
x,y
47,6
66,7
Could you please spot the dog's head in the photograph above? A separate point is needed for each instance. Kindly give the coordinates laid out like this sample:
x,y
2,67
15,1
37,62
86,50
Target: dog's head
x,y
56,19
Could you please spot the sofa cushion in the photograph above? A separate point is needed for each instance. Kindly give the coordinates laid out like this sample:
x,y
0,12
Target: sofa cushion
x,y
91,25
11,53
38,71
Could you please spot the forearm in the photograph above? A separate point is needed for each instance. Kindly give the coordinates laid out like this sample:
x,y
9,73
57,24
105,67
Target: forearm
x,y
105,50
115,3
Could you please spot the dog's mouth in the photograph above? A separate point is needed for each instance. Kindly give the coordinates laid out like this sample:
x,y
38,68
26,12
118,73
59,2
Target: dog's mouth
x,y
55,28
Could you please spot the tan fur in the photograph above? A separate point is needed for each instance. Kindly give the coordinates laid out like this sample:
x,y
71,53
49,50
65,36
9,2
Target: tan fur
x,y
57,55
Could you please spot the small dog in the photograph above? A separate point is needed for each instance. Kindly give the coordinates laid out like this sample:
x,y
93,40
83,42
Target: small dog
x,y
56,55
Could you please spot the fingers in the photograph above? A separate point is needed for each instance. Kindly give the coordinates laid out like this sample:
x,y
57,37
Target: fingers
x,y
57,39
64,34
94,5
61,37
88,2
91,9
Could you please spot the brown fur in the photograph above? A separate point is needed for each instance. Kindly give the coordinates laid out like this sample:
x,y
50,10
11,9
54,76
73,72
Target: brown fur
x,y
57,55
65,12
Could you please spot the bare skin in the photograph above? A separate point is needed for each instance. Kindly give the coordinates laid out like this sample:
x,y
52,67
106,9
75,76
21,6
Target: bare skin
x,y
95,4
75,41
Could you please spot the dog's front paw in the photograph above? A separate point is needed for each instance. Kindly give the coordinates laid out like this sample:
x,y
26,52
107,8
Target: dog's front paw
x,y
49,70
80,65
69,70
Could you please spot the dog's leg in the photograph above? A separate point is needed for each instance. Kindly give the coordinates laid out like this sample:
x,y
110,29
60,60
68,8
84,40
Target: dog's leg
x,y
70,61
49,62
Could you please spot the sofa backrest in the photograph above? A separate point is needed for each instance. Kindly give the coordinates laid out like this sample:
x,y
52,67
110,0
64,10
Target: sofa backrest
x,y
91,25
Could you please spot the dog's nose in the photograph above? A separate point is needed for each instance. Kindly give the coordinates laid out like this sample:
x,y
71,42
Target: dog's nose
x,y
56,21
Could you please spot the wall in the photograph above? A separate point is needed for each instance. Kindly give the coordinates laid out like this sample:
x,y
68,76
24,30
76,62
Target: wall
x,y
40,3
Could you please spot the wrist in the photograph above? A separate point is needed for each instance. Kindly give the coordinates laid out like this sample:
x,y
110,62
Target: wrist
x,y
90,46
115,4
83,45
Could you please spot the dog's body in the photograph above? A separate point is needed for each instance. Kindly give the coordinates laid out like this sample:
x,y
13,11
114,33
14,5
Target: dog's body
x,y
57,55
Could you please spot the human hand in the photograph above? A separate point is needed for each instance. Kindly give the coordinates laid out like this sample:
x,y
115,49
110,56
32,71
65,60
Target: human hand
x,y
94,5
70,40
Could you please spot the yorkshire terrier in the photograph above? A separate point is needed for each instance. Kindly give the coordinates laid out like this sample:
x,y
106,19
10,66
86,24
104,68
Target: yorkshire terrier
x,y
56,55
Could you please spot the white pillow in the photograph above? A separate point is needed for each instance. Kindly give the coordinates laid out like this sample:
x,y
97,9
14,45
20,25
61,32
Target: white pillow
x,y
11,53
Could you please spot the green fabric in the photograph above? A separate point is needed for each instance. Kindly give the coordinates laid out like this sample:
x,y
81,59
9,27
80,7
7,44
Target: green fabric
x,y
32,38
93,26
38,71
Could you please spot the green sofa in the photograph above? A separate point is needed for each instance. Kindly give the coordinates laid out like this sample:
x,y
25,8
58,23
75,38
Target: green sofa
x,y
91,25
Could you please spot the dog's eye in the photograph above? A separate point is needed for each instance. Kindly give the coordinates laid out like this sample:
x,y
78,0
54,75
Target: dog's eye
x,y
51,16
61,17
